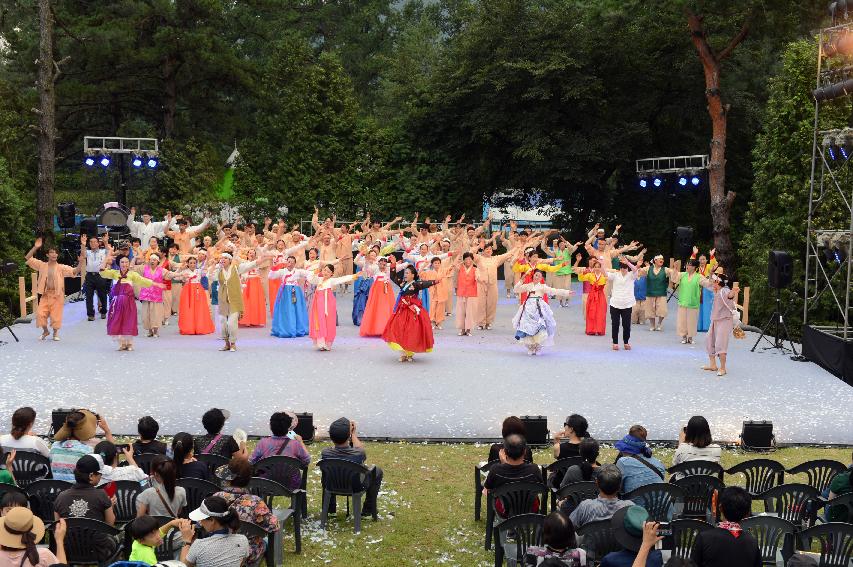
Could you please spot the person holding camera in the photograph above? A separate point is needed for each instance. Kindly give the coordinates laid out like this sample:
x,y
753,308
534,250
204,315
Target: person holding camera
x,y
349,447
74,440
112,472
220,547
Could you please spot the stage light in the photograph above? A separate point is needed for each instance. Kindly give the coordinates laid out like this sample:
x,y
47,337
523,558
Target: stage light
x,y
137,161
757,436
682,181
644,183
657,182
151,163
105,161
843,152
831,153
89,161
696,180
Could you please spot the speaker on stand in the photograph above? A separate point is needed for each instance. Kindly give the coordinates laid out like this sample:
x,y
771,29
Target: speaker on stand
x,y
780,268
683,248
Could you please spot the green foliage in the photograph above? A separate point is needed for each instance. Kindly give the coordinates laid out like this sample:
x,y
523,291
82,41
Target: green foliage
x,y
189,176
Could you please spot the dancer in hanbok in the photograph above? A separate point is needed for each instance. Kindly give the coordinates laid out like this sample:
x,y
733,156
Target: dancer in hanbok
x,y
322,317
290,316
361,287
440,293
534,321
254,304
706,268
596,303
380,300
409,330
121,318
152,298
194,311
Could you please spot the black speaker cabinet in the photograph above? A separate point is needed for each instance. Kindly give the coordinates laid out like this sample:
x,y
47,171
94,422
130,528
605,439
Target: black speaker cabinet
x,y
57,419
536,427
780,269
684,241
757,436
305,427
67,215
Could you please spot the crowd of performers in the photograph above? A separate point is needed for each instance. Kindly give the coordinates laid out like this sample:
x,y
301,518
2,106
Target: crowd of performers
x,y
401,278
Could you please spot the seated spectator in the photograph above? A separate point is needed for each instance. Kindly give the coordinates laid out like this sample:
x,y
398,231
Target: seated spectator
x,y
250,508
6,474
285,442
20,532
512,468
609,482
349,447
111,471
215,442
511,425
147,535
12,500
695,443
147,443
629,529
567,443
588,469
635,460
183,453
73,440
163,497
842,483
222,547
558,537
21,437
83,500
728,545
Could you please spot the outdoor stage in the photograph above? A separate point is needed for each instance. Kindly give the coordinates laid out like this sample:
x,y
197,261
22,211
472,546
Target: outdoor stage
x,y
462,390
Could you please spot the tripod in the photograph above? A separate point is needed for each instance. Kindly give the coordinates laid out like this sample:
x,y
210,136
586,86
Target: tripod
x,y
780,331
8,268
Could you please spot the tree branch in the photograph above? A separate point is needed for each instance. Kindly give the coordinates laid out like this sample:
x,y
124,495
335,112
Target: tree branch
x,y
736,40
700,40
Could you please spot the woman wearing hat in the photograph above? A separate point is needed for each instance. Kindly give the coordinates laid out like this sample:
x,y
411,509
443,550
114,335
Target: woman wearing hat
x,y
73,440
629,525
222,547
20,531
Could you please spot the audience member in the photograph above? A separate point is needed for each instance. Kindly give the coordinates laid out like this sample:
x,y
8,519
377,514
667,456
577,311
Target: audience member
x,y
629,528
21,437
609,482
636,462
147,443
348,446
147,535
695,443
559,542
12,500
111,471
183,453
590,466
20,532
250,508
567,440
6,474
512,468
215,442
163,497
222,547
511,425
73,440
285,442
728,545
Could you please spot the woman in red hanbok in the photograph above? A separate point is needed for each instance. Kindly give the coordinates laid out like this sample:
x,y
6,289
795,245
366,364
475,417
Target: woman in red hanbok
x,y
409,330
596,303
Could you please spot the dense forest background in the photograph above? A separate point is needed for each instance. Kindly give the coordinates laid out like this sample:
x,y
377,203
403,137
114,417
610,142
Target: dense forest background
x,y
398,106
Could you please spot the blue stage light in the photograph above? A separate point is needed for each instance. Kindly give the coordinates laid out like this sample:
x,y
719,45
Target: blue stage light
x,y
843,152
658,181
831,153
152,163
89,161
682,181
644,183
105,161
695,180
137,161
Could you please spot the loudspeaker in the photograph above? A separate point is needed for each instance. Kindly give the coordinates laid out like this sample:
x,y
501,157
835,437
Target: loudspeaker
x,y
780,269
757,436
684,241
89,227
57,419
305,426
536,427
67,215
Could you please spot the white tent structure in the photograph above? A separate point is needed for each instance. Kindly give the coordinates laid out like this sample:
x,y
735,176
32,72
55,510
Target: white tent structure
x,y
538,214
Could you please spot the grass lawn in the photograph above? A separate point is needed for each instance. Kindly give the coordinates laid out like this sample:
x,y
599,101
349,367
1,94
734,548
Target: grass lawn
x,y
426,514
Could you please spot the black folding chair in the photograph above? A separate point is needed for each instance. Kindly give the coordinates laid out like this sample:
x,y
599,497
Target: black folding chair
x,y
597,539
577,492
772,534
41,495
684,534
840,508
272,553
699,492
282,469
516,534
835,541
340,478
760,475
819,472
797,503
91,542
125,506
4,488
480,474
172,543
213,462
144,461
553,474
30,467
197,490
662,500
689,468
515,498
269,490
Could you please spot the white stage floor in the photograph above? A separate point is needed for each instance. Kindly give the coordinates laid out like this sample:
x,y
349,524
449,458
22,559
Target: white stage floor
x,y
463,389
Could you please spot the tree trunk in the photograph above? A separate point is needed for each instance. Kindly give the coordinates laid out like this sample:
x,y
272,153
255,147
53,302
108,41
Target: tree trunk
x,y
170,104
47,123
721,200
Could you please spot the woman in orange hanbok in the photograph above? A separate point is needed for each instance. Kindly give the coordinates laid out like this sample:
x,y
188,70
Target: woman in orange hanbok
x,y
596,303
380,301
254,304
194,311
440,292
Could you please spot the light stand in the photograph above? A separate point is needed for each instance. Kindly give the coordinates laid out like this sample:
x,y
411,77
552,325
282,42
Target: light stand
x,y
780,331
8,267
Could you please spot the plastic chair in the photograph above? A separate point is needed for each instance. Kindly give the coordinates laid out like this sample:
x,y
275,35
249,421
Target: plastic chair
x,y
42,494
662,500
213,462
144,460
4,488
577,492
272,554
796,503
689,468
699,491
30,467
553,474
339,479
684,534
268,490
819,473
171,546
761,475
597,539
87,542
197,490
281,469
840,503
125,506
523,531
480,473
835,540
772,534
516,498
